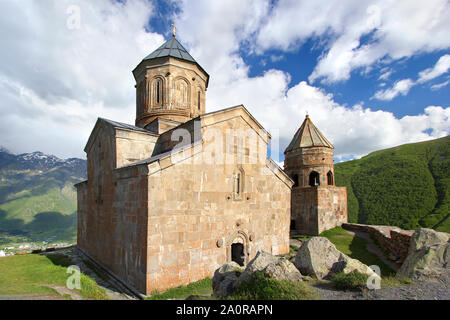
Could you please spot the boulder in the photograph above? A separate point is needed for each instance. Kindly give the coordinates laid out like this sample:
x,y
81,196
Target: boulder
x,y
225,278
277,268
428,255
318,257
230,276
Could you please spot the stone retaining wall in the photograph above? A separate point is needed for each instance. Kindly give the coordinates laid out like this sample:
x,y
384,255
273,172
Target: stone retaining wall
x,y
392,239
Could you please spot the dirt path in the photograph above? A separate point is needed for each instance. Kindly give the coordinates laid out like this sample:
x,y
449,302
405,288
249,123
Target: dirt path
x,y
433,289
31,297
66,291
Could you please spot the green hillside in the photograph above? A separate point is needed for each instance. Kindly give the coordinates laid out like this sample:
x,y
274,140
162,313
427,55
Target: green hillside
x,y
37,198
406,186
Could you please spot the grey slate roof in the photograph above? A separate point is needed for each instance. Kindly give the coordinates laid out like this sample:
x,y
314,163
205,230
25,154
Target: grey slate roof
x,y
125,126
162,155
308,136
172,48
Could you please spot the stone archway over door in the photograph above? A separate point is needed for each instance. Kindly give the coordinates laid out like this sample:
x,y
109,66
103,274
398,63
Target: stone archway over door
x,y
237,248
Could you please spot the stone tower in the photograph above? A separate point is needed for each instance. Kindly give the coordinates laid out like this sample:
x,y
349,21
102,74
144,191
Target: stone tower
x,y
170,88
316,203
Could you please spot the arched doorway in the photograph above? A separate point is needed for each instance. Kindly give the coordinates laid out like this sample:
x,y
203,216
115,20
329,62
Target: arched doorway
x,y
314,179
237,248
237,253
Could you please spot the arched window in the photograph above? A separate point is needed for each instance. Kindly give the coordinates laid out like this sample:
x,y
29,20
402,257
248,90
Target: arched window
x,y
238,188
198,100
158,92
295,178
330,178
314,179
182,93
238,183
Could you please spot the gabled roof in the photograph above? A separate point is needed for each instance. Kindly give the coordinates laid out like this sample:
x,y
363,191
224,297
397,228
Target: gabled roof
x,y
116,124
308,136
172,48
113,124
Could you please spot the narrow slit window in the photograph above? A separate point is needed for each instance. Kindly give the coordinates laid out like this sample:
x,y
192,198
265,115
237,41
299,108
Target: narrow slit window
x,y
238,183
330,178
198,100
157,92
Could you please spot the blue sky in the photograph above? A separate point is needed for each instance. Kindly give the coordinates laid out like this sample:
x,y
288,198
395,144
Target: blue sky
x,y
371,74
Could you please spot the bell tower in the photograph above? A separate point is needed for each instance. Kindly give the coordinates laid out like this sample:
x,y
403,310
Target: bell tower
x,y
170,85
316,203
309,157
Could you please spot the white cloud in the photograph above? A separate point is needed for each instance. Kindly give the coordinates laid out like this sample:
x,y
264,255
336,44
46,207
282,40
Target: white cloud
x,y
440,85
439,68
400,88
54,82
385,75
396,29
356,131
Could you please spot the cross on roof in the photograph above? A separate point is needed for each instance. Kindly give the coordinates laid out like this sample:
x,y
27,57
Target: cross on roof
x,y
174,29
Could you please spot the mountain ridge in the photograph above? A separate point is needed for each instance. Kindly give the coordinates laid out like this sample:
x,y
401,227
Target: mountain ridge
x,y
37,196
407,186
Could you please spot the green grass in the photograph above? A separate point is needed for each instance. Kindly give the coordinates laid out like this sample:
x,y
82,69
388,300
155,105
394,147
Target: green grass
x,y
394,282
300,237
261,287
201,287
37,205
350,281
31,273
355,248
406,186
99,274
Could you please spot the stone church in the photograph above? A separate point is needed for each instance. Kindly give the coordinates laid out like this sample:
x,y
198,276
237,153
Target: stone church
x,y
173,197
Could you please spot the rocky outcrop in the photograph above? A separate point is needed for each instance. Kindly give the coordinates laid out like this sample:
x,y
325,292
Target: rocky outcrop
x,y
274,267
225,278
318,257
428,256
230,276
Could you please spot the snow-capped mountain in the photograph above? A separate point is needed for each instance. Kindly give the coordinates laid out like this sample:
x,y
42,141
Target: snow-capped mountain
x,y
39,161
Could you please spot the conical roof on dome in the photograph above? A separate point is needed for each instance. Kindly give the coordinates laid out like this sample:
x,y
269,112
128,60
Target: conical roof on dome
x,y
172,48
308,136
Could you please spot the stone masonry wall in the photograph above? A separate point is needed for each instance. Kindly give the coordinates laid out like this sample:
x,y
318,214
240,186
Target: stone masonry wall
x,y
304,210
316,209
332,207
172,72
112,225
303,161
82,211
194,215
392,239
133,146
